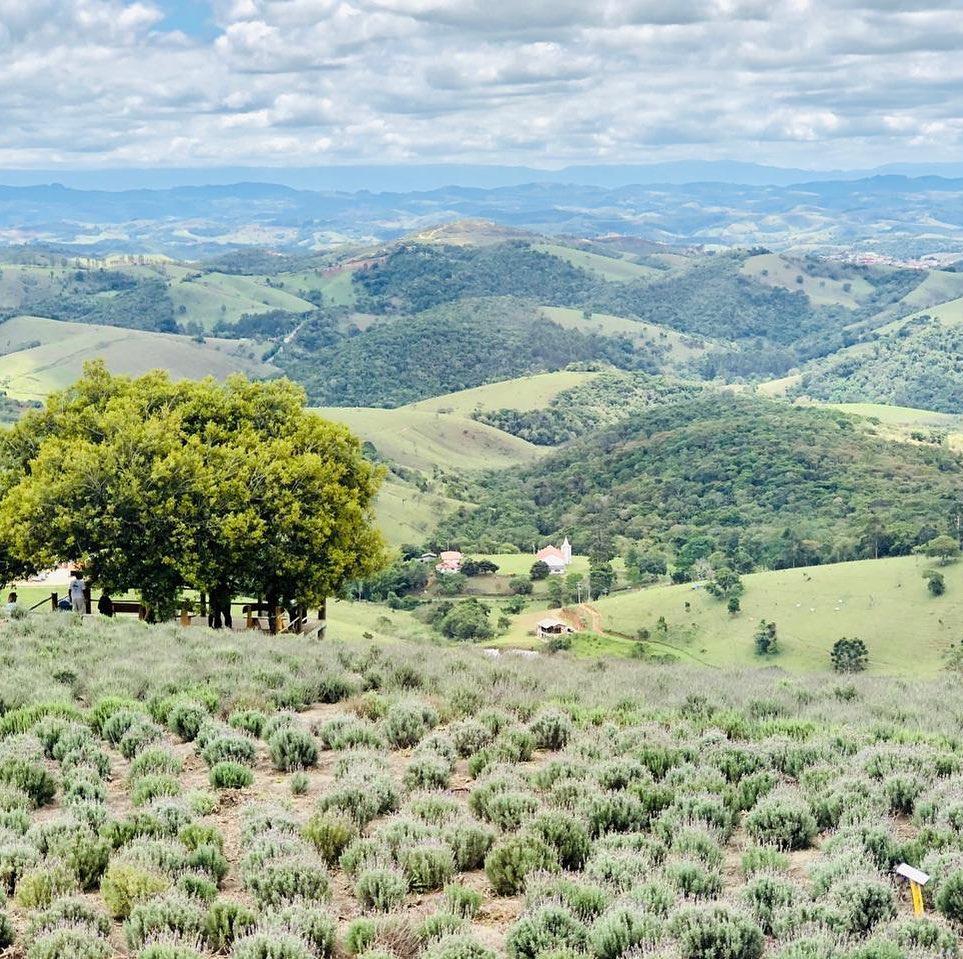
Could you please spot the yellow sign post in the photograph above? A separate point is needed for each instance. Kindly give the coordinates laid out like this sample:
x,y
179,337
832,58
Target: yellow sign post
x,y
917,880
917,890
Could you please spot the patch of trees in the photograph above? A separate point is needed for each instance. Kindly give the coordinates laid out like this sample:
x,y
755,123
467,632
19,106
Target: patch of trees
x,y
398,580
479,567
714,299
156,486
603,400
923,369
134,305
439,351
259,326
467,621
935,582
253,262
762,483
417,277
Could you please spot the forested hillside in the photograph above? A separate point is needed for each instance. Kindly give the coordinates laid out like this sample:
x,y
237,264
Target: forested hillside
x,y
416,277
444,349
921,365
768,484
605,399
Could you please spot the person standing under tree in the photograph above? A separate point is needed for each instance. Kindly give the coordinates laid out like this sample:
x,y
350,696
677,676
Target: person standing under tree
x,y
78,592
105,605
220,614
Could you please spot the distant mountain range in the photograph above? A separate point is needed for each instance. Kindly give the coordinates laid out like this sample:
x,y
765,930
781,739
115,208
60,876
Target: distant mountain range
x,y
421,177
891,214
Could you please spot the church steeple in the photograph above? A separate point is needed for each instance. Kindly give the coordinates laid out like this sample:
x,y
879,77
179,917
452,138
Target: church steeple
x,y
567,550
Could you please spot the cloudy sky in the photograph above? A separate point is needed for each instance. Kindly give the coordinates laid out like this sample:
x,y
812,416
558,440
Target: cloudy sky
x,y
813,83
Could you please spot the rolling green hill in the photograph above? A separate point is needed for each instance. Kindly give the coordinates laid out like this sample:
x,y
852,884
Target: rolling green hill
x,y
775,270
883,602
677,349
211,298
607,267
766,483
918,365
606,399
40,355
427,442
525,393
407,514
442,350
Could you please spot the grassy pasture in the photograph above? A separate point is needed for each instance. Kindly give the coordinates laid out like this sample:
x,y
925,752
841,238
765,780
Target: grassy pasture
x,y
609,268
681,347
405,514
426,441
773,269
901,415
31,373
213,297
883,602
938,287
337,288
19,282
533,392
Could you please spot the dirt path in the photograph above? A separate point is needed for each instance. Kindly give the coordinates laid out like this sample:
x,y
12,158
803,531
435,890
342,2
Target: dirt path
x,y
596,623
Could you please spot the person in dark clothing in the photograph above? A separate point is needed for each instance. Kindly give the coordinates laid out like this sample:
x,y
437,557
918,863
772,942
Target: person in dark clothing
x,y
220,614
105,605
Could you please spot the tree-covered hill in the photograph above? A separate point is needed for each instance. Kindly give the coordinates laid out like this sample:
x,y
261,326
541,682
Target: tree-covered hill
x,y
444,349
766,483
605,399
416,277
920,365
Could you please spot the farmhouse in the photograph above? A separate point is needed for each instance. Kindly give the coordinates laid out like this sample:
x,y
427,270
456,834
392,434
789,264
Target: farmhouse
x,y
449,562
546,628
556,558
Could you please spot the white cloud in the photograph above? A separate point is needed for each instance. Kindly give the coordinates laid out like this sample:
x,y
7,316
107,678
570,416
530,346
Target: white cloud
x,y
816,82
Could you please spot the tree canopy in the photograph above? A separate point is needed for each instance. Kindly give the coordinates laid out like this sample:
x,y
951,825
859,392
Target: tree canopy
x,y
155,485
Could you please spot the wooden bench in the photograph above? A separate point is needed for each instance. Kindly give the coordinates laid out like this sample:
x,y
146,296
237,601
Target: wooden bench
x,y
129,606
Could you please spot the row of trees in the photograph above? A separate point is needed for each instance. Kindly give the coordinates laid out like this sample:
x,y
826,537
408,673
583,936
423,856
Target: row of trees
x,y
233,488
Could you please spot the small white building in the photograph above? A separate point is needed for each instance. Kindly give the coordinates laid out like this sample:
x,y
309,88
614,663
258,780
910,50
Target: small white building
x,y
556,558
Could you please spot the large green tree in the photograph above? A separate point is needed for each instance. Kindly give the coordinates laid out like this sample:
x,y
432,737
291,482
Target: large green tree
x,y
155,485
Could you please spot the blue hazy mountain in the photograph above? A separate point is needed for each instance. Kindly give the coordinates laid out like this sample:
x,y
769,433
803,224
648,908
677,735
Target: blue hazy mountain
x,y
923,214
426,177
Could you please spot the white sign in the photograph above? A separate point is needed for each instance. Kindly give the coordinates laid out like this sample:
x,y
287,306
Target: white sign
x,y
914,875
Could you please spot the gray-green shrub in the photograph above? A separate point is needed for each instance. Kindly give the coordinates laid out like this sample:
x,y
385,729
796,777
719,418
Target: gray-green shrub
x,y
544,930
381,888
292,748
512,859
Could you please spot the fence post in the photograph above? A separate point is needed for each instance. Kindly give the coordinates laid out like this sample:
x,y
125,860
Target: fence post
x,y
53,601
185,616
87,599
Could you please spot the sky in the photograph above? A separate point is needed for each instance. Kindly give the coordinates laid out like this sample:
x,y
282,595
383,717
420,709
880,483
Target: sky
x,y
156,83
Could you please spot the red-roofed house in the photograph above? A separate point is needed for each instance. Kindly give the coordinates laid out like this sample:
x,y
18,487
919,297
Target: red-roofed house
x,y
449,562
